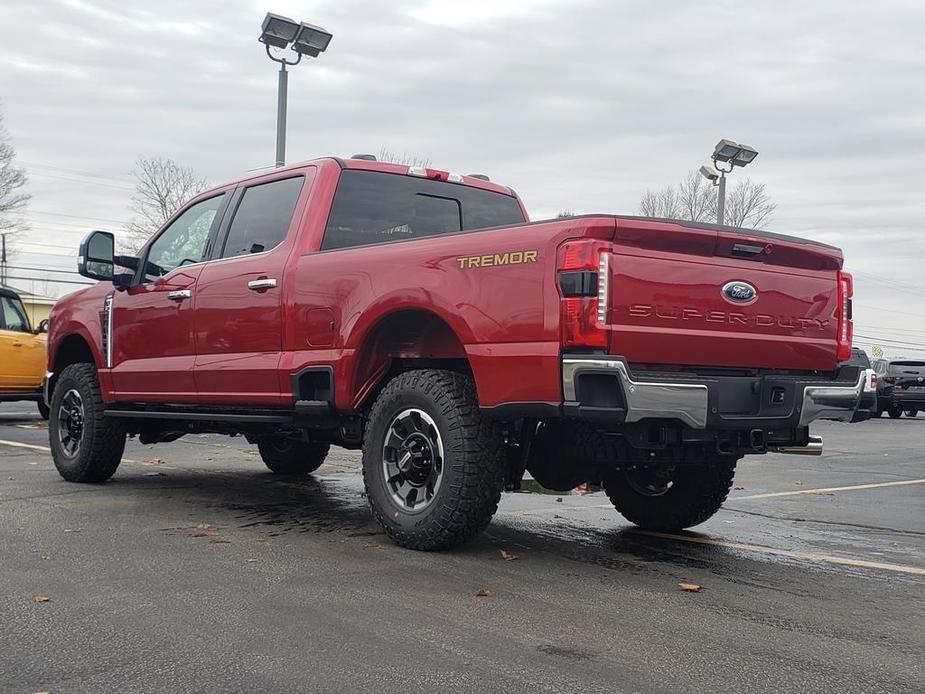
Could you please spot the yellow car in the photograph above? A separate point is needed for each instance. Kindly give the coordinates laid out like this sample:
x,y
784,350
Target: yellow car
x,y
22,353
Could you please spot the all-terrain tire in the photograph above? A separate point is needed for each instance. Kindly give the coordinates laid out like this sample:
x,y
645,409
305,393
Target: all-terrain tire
x,y
291,457
473,463
912,413
99,449
696,493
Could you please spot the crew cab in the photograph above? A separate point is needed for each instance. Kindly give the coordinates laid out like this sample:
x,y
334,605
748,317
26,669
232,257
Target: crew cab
x,y
417,314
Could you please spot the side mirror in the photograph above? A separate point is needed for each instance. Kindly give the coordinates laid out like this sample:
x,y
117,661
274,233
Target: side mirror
x,y
96,257
42,327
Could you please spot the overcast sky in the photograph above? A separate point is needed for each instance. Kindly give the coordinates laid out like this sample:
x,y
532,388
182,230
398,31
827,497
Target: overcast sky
x,y
577,104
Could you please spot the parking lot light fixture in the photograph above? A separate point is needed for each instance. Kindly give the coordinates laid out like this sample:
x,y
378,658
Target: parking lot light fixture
x,y
306,39
745,156
278,31
311,40
726,156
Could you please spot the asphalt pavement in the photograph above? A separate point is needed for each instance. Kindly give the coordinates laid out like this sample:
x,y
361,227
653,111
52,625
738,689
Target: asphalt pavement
x,y
196,570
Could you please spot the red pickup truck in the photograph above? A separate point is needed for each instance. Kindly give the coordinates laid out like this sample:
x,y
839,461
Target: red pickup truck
x,y
417,314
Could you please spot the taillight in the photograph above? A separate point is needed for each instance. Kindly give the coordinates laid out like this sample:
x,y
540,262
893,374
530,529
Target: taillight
x,y
845,324
889,379
583,269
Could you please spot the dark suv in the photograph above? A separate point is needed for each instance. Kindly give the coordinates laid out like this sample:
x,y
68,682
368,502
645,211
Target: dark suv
x,y
900,386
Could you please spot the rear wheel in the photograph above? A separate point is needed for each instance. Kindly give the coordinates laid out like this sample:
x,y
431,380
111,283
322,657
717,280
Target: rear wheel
x,y
433,466
912,413
86,445
292,457
670,498
895,412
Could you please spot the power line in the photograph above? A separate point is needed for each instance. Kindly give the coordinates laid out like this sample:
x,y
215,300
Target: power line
x,y
78,172
83,181
889,310
76,216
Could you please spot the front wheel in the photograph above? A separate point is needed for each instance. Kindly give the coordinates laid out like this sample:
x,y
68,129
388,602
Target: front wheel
x,y
670,498
86,445
912,413
433,466
286,456
896,412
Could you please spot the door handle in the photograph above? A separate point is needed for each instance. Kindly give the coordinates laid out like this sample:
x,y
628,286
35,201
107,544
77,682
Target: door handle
x,y
180,295
266,283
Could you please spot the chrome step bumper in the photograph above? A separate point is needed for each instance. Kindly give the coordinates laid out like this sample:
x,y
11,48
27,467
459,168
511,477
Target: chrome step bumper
x,y
696,401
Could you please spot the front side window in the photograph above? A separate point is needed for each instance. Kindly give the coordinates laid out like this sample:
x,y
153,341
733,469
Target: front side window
x,y
372,207
184,241
13,315
263,217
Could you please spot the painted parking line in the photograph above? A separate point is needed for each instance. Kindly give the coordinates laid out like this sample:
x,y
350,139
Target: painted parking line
x,y
30,446
792,554
44,449
824,490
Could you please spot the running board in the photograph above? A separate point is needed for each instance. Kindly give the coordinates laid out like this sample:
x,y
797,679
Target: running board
x,y
202,416
814,447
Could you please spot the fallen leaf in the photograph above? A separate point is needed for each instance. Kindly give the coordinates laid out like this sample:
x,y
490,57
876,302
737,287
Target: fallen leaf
x,y
44,557
559,499
40,598
483,593
798,483
154,461
690,587
508,556
204,526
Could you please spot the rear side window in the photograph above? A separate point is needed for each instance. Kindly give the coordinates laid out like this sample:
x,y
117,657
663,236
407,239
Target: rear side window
x,y
262,218
371,207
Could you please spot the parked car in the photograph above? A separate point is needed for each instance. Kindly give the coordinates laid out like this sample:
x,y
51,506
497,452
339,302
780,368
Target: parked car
x,y
416,314
867,407
22,353
900,386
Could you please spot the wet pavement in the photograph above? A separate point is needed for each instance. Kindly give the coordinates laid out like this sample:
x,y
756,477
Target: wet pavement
x,y
197,570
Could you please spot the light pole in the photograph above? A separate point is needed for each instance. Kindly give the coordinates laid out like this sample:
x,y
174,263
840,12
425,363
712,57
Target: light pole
x,y
731,154
306,39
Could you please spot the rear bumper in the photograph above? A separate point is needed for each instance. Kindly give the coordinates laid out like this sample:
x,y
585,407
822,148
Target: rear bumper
x,y
606,388
907,400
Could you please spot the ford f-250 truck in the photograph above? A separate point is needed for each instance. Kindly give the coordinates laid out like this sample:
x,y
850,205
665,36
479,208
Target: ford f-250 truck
x,y
418,315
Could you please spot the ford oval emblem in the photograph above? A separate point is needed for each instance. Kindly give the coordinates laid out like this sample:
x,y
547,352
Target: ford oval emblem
x,y
739,292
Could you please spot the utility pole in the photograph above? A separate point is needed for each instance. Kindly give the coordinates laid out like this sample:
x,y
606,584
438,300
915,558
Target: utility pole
x,y
3,258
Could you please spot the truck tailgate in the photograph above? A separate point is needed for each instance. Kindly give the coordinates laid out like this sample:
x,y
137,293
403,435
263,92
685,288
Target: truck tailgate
x,y
709,296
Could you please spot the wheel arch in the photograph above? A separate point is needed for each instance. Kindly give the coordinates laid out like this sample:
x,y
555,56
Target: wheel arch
x,y
404,338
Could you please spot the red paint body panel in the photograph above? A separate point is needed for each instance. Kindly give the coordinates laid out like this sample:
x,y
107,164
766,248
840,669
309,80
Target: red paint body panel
x,y
357,309
667,306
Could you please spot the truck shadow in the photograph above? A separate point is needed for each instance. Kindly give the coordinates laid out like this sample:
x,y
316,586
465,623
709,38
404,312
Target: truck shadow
x,y
335,505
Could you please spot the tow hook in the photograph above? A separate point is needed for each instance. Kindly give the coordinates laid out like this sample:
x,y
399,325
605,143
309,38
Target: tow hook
x,y
813,447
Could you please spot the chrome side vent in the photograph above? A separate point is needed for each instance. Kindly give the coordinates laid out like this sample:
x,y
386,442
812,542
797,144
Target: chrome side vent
x,y
106,330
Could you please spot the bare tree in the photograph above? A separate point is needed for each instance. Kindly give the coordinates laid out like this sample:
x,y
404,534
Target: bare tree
x,y
748,205
694,199
161,187
12,199
386,154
